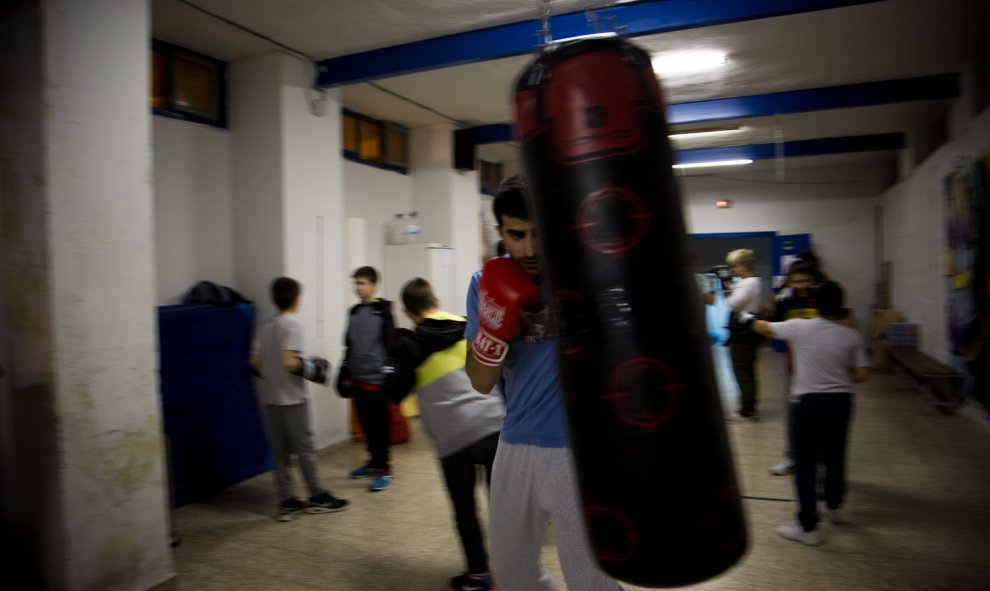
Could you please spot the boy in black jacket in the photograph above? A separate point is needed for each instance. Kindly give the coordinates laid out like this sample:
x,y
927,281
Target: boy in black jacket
x,y
364,371
463,424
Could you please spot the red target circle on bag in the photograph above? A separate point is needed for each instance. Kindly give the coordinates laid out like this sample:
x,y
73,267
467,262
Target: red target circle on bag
x,y
644,392
614,538
716,512
612,220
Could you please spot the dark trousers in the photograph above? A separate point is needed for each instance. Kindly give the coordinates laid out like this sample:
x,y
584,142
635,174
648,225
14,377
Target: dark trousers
x,y
372,411
744,367
459,472
820,424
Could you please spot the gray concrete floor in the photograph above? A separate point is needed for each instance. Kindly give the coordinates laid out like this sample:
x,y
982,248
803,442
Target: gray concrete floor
x,y
919,499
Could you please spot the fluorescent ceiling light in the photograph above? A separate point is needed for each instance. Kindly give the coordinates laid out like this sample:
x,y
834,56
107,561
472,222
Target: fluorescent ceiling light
x,y
685,62
585,36
714,163
708,131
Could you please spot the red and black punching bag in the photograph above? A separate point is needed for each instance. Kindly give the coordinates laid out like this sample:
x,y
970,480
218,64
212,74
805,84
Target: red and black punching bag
x,y
654,467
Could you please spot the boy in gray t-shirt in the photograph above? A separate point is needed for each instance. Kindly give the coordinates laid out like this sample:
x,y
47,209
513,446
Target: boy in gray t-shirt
x,y
828,359
277,360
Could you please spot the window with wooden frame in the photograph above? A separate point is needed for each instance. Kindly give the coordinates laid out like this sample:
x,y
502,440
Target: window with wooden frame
x,y
187,85
377,143
349,134
158,86
194,85
370,136
396,145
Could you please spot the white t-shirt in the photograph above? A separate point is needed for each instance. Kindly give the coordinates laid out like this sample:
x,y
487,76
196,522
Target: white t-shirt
x,y
745,296
824,352
277,386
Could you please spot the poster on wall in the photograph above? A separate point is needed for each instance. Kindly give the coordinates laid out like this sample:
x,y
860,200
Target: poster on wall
x,y
967,273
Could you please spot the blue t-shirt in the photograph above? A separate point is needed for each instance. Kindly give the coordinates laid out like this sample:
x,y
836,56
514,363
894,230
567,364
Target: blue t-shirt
x,y
534,399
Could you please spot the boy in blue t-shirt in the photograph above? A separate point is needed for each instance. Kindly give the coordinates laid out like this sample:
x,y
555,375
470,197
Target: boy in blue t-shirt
x,y
533,477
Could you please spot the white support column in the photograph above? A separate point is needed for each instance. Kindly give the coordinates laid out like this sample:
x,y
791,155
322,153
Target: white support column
x,y
89,503
288,209
314,230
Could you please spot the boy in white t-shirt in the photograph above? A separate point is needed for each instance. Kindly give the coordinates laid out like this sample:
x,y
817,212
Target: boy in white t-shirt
x,y
828,358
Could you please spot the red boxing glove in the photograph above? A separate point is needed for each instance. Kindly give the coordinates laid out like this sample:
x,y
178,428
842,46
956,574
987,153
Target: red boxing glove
x,y
503,289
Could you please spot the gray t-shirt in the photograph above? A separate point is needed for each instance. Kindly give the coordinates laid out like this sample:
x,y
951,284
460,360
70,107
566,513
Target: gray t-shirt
x,y
824,352
277,386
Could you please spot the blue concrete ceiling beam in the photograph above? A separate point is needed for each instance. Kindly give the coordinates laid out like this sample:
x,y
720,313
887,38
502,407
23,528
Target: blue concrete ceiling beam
x,y
793,149
636,18
936,87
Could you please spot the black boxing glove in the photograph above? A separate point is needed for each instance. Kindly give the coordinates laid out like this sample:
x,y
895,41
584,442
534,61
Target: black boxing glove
x,y
314,369
746,319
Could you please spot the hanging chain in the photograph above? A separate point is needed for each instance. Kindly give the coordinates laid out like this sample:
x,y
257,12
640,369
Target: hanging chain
x,y
596,23
607,22
591,14
612,19
545,35
778,149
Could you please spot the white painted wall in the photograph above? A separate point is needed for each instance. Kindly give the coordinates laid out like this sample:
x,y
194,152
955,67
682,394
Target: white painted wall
x,y
430,164
914,235
374,195
448,202
194,237
836,205
256,165
265,199
466,210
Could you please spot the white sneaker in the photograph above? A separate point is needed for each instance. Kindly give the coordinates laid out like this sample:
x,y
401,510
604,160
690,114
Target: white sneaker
x,y
738,418
836,516
797,533
784,468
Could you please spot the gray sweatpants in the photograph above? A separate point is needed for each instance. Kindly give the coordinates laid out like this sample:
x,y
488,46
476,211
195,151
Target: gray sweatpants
x,y
289,433
531,486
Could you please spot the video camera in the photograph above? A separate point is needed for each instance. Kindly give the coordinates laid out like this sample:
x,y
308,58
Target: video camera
x,y
724,276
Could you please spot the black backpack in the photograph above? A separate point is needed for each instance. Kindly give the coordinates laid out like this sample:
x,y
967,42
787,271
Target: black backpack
x,y
207,292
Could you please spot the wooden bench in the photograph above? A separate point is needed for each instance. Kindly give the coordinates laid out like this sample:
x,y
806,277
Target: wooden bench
x,y
937,381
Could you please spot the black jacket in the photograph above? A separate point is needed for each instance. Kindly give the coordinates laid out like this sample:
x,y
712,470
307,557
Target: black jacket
x,y
410,348
382,308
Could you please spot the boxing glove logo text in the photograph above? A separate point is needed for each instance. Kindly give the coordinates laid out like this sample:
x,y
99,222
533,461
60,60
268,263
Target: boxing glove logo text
x,y
489,350
489,311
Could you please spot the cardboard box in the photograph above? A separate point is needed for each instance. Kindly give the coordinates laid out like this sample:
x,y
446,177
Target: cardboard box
x,y
881,318
900,335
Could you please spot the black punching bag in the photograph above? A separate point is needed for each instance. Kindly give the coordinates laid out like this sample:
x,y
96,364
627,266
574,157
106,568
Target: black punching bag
x,y
654,467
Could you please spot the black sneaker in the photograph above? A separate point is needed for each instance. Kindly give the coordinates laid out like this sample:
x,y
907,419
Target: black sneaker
x,y
326,503
468,582
289,507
